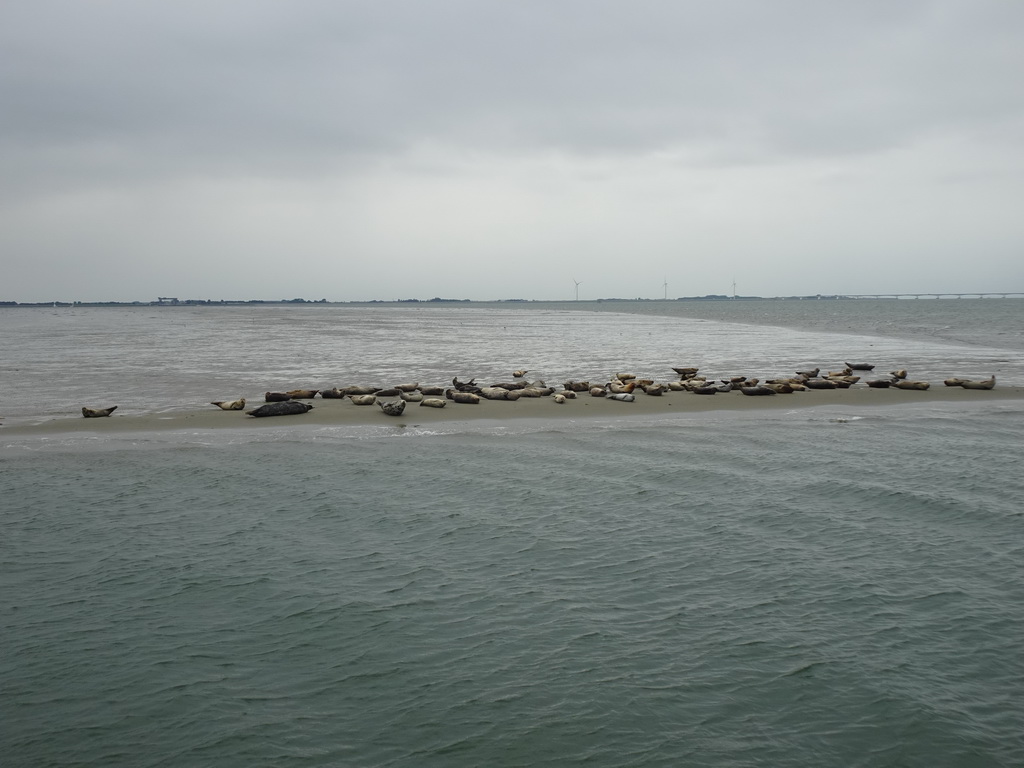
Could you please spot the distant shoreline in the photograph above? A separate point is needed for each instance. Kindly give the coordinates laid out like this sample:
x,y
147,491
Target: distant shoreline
x,y
464,302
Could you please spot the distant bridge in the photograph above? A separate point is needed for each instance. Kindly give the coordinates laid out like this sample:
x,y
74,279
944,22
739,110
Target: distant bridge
x,y
969,294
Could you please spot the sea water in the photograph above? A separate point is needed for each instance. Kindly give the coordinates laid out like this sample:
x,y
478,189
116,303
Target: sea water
x,y
821,586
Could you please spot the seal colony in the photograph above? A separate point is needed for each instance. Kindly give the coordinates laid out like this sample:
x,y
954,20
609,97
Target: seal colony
x,y
620,387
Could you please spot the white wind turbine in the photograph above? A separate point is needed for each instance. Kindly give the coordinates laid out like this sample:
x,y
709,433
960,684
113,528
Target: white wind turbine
x,y
578,284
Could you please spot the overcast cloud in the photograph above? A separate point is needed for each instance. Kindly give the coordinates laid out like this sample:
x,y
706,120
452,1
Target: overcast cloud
x,y
484,150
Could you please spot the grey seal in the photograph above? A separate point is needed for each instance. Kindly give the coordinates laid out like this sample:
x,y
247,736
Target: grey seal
x,y
97,413
281,408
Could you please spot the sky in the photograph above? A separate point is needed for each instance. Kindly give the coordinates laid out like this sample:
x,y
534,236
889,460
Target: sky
x,y
481,150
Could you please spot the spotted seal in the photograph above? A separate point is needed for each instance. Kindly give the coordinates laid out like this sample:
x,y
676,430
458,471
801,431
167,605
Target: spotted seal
x,y
393,407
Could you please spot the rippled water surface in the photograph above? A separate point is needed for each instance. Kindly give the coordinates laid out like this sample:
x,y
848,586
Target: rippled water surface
x,y
809,588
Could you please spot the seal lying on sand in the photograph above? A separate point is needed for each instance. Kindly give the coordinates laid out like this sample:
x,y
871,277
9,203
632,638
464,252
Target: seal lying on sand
x,y
433,402
985,384
625,397
462,397
907,384
363,399
230,405
860,366
302,394
96,413
879,383
393,408
281,408
276,397
758,390
333,393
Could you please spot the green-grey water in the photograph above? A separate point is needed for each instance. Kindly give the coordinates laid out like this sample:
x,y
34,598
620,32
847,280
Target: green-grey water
x,y
822,586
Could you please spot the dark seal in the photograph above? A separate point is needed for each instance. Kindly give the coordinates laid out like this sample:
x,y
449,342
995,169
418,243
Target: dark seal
x,y
281,408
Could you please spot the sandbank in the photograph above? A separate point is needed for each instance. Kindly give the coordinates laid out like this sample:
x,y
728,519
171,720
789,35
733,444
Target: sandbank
x,y
344,413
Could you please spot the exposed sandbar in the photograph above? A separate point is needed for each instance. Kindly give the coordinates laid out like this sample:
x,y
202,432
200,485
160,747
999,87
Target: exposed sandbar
x,y
344,412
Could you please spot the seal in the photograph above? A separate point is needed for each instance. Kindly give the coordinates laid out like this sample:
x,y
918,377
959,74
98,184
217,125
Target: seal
x,y
655,390
230,405
363,399
820,384
411,397
577,386
276,397
984,384
598,391
900,374
433,402
907,384
685,371
559,398
625,397
954,382
879,383
431,391
625,376
836,374
281,408
469,398
708,390
302,394
97,413
568,394
392,408
333,393
519,374
860,366
389,392
757,390
408,387
360,391
809,374
494,393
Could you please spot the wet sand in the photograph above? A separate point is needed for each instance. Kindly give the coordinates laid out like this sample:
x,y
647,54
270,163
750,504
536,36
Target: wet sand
x,y
344,412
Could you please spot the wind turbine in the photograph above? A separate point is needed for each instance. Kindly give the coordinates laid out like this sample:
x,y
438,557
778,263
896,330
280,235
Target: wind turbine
x,y
665,286
578,283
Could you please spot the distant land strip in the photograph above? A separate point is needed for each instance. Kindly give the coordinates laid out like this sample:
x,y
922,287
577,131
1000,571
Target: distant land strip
x,y
175,302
